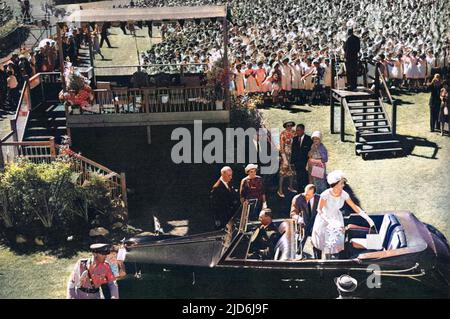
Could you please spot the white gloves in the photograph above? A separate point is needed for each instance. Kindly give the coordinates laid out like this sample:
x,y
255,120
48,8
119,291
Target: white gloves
x,y
367,218
264,205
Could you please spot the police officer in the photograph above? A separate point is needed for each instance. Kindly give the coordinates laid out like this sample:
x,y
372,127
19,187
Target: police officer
x,y
89,274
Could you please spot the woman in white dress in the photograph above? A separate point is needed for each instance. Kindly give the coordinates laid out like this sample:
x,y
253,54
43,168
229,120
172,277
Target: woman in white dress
x,y
328,232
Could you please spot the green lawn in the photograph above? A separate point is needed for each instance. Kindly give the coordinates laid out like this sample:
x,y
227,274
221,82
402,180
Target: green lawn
x,y
37,275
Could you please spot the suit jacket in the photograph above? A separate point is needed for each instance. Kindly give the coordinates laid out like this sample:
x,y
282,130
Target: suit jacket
x,y
264,241
299,206
351,48
224,202
299,156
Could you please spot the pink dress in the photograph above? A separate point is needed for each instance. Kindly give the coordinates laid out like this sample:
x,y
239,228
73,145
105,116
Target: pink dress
x,y
260,77
251,86
239,80
286,77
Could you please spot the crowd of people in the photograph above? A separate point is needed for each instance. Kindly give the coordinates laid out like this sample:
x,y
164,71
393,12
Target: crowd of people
x,y
22,66
276,47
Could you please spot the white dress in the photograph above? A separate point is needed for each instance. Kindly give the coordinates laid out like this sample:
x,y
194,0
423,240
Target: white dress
x,y
326,234
286,77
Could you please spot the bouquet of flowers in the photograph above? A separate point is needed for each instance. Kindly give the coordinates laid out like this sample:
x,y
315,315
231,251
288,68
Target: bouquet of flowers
x,y
78,93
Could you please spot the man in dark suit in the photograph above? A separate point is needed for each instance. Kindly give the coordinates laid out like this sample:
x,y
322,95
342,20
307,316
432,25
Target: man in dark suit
x,y
104,34
304,209
264,238
351,48
301,145
224,198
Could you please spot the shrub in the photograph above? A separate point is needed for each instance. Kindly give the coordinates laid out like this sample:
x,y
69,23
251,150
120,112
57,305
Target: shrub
x,y
50,195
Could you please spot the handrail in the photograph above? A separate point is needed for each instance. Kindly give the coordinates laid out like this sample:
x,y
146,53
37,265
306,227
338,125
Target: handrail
x,y
88,161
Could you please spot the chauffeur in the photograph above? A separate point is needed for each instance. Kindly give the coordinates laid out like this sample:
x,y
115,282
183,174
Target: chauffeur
x,y
89,274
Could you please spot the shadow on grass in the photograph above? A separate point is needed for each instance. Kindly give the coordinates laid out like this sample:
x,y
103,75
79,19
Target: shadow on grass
x,y
409,143
68,250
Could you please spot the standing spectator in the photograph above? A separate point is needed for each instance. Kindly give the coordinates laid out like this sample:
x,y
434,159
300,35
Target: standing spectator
x,y
3,86
252,187
12,93
224,198
286,171
318,157
435,101
286,79
96,45
104,34
351,49
251,85
301,145
444,116
25,9
239,81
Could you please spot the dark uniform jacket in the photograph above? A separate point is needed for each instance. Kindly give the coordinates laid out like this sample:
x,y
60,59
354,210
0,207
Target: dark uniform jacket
x,y
351,48
299,156
263,242
224,203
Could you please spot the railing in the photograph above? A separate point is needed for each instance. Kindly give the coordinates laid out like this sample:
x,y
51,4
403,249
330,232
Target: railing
x,y
153,69
48,151
86,167
381,88
19,121
152,100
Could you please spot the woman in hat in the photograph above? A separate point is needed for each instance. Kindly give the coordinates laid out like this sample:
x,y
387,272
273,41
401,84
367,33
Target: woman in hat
x,y
317,158
328,232
252,187
286,171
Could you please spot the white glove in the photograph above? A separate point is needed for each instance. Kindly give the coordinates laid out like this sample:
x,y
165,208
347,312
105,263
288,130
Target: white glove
x,y
264,206
367,218
121,254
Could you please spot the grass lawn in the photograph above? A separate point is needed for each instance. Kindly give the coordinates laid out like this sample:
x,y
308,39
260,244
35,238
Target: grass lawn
x,y
37,275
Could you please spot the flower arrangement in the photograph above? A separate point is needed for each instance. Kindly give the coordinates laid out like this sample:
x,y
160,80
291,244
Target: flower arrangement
x,y
78,93
217,78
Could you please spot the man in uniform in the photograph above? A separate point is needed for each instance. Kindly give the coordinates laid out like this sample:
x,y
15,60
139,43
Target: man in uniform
x,y
89,274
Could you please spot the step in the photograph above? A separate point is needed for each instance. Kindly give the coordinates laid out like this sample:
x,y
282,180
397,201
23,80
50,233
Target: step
x,y
376,143
379,150
362,101
372,127
361,107
369,120
38,138
388,134
365,113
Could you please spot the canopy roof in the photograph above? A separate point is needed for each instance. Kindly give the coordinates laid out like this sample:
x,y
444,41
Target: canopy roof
x,y
147,14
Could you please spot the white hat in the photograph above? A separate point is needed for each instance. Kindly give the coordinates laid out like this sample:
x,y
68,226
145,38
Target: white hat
x,y
346,283
250,167
316,134
335,176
